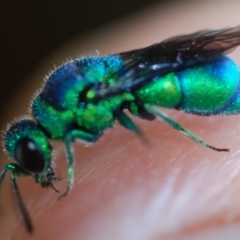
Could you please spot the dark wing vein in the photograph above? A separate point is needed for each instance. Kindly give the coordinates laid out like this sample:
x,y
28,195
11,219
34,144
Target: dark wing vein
x,y
173,54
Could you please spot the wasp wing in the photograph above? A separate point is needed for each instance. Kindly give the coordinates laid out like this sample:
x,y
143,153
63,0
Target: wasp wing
x,y
173,54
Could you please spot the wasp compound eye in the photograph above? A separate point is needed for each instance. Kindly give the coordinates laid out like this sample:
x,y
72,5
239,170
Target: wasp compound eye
x,y
29,156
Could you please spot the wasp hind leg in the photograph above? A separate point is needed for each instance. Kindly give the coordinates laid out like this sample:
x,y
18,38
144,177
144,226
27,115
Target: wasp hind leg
x,y
165,118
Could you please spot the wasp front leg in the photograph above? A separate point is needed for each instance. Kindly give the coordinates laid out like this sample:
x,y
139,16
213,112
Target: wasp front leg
x,y
70,155
17,170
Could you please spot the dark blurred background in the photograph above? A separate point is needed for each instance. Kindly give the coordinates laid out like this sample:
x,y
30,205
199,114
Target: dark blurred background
x,y
30,30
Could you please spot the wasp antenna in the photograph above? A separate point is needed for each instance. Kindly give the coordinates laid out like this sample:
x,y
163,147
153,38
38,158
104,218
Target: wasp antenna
x,y
24,212
55,189
165,118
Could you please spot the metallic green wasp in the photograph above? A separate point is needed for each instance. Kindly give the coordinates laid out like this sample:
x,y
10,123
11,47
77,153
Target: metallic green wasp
x,y
84,97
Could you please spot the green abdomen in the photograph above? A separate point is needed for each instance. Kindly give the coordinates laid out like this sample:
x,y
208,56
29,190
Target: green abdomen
x,y
205,90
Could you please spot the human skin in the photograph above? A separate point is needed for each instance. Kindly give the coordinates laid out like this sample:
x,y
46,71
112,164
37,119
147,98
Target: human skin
x,y
167,188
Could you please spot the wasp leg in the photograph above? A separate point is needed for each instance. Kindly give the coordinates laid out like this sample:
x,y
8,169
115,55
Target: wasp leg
x,y
139,110
165,118
70,156
129,124
16,170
